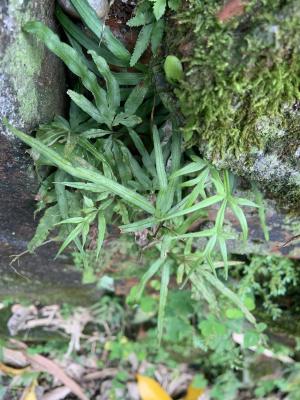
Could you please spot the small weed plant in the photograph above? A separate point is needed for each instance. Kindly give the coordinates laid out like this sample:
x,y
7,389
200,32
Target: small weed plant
x,y
120,160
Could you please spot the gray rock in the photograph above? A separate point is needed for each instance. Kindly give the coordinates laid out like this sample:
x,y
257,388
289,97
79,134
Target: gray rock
x,y
100,6
32,91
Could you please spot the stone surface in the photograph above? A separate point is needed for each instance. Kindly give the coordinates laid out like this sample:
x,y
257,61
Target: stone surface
x,y
32,91
240,93
100,6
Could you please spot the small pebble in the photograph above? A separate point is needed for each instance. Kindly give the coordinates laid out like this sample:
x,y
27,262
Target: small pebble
x,y
100,6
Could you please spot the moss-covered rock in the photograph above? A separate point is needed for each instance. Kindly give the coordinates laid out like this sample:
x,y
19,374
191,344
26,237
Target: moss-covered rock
x,y
240,95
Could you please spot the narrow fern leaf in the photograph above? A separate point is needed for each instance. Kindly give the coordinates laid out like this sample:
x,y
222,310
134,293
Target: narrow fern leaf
x,y
241,218
84,173
189,169
87,106
113,89
98,27
136,98
159,160
215,282
142,43
101,232
143,152
48,221
223,249
202,204
139,19
139,225
70,238
89,44
165,278
147,276
159,8
68,55
157,35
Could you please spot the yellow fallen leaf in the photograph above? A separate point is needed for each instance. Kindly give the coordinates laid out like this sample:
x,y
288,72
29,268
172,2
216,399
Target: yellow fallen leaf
x,y
29,392
193,393
149,389
12,371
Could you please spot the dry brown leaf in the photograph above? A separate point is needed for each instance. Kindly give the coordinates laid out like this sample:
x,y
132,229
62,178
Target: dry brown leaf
x,y
57,393
41,363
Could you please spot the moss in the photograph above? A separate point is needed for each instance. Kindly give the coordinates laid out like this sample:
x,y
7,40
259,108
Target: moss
x,y
242,75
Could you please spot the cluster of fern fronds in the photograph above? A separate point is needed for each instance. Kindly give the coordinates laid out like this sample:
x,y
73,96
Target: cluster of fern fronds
x,y
119,160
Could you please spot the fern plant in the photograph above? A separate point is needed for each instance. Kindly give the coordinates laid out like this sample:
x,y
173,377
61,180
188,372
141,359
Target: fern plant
x,y
119,159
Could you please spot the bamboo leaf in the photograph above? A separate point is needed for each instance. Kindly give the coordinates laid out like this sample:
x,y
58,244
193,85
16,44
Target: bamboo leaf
x,y
223,249
73,220
195,235
130,121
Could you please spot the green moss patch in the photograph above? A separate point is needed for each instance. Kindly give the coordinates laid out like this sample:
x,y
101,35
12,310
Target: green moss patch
x,y
239,73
